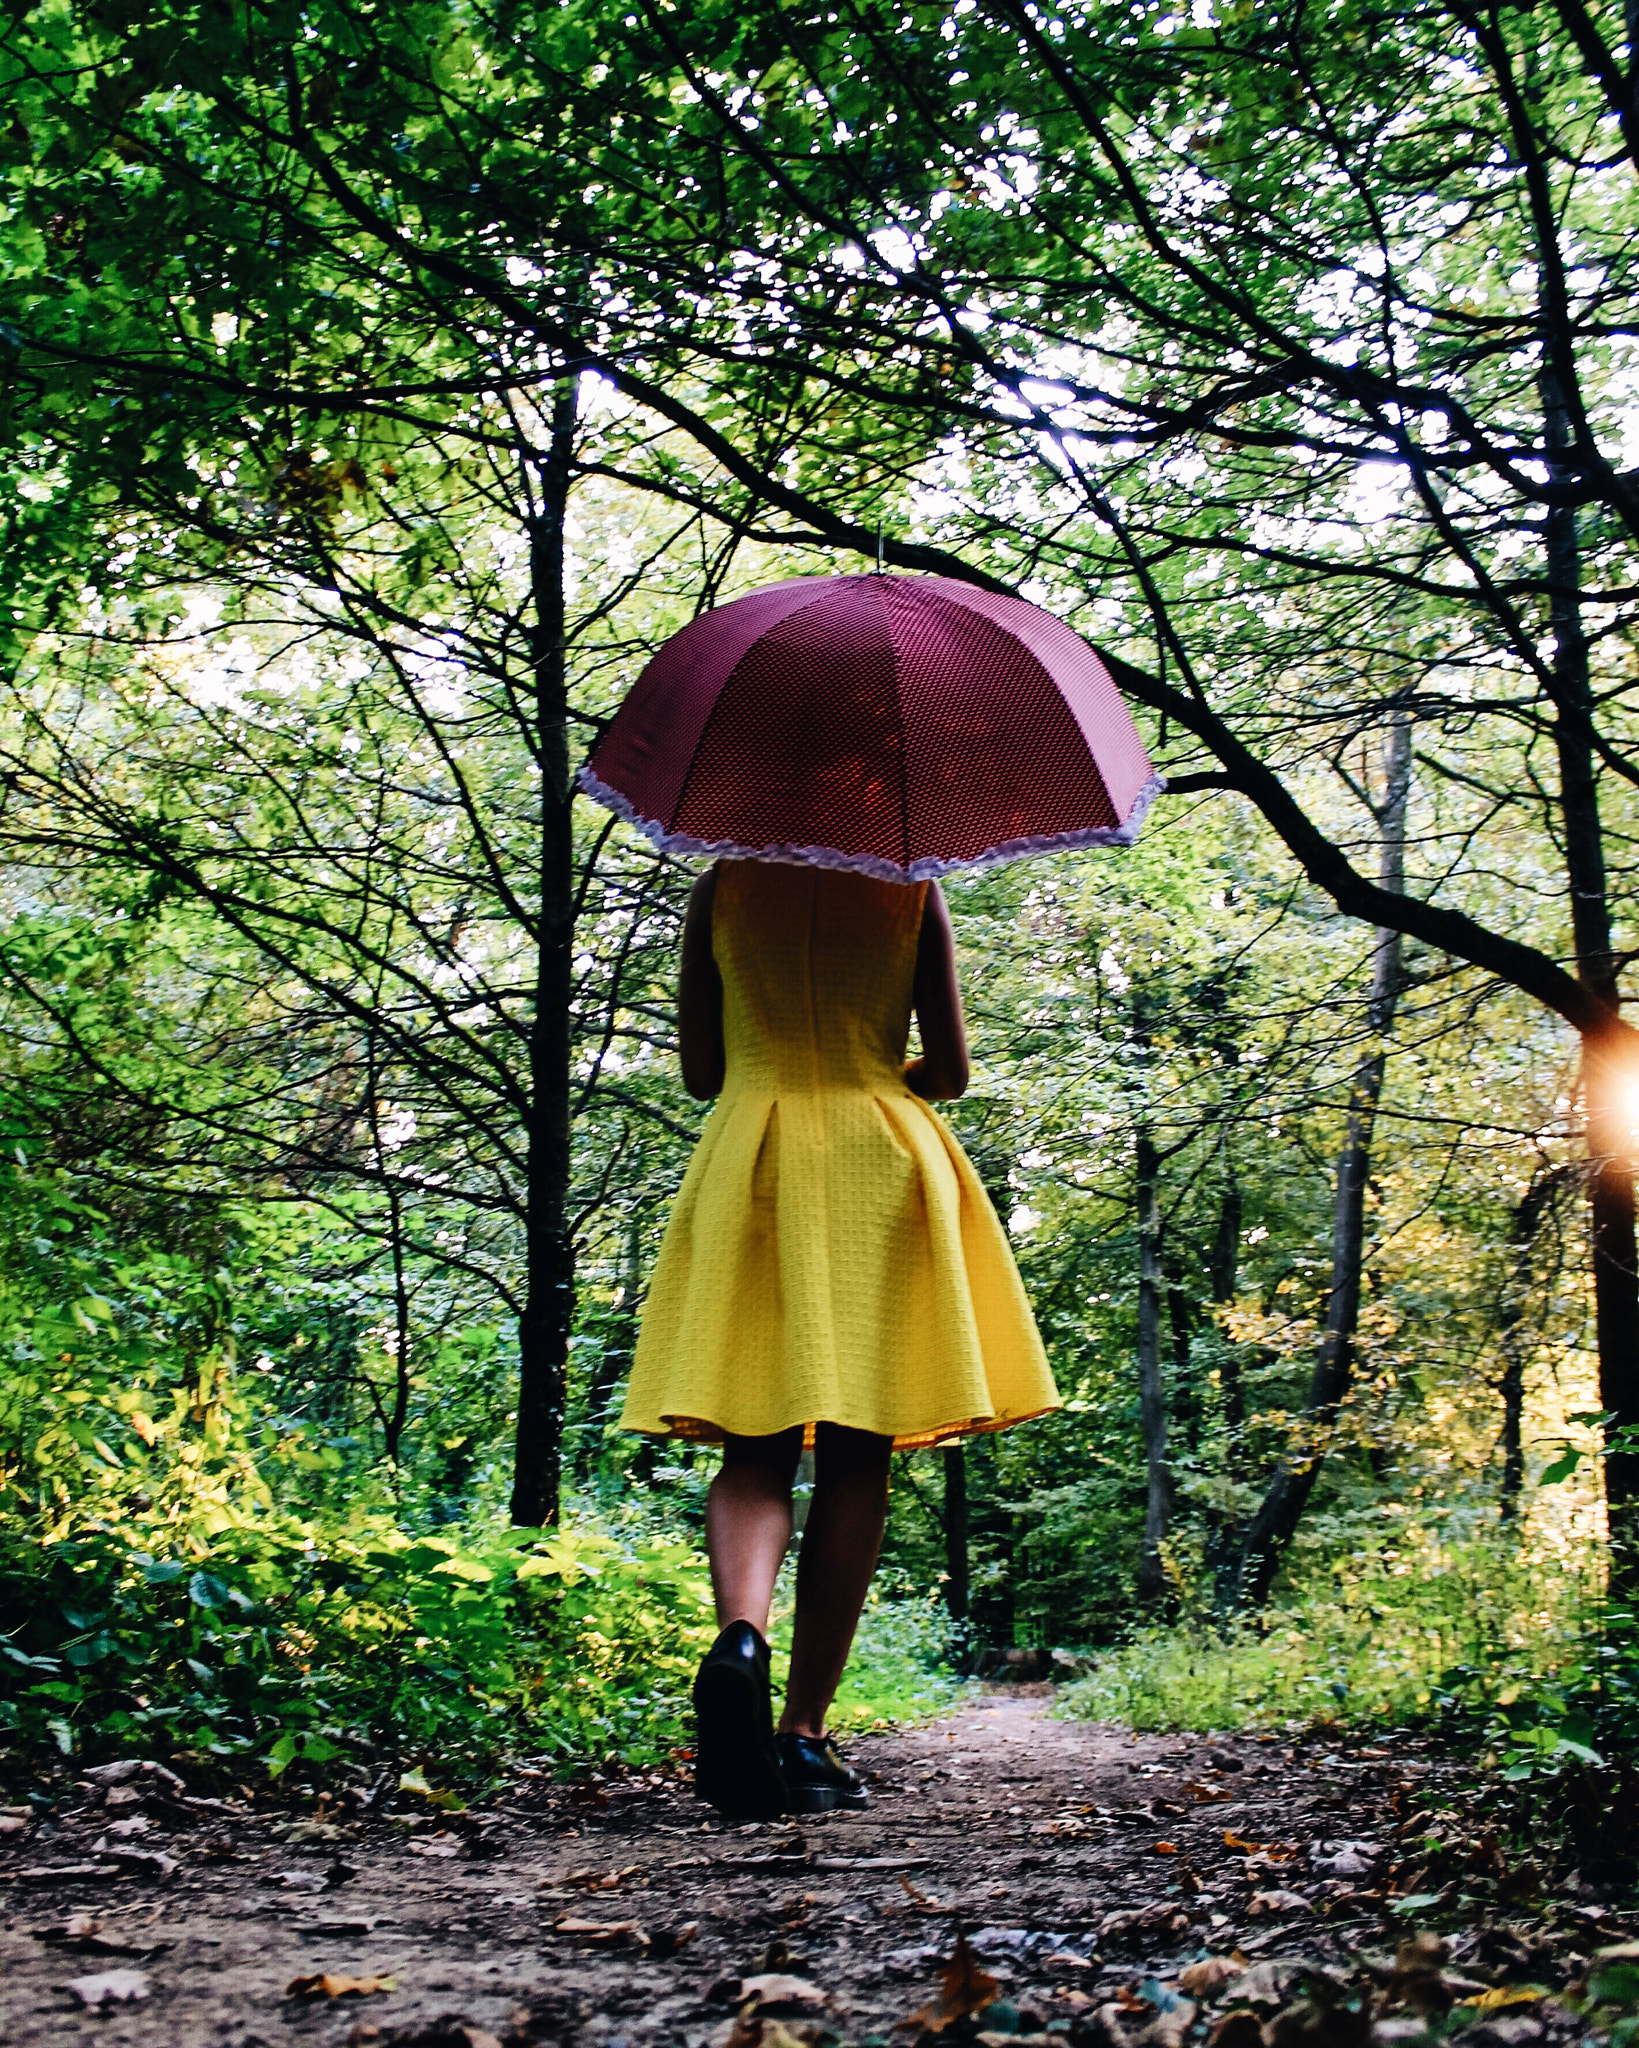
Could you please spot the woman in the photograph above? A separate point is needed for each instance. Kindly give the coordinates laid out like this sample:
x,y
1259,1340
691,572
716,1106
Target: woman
x,y
833,1272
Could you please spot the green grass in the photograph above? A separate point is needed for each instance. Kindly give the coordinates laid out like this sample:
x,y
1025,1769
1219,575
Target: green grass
x,y
1505,1643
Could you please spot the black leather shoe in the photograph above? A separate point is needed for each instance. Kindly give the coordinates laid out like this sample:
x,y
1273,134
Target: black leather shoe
x,y
816,1778
736,1767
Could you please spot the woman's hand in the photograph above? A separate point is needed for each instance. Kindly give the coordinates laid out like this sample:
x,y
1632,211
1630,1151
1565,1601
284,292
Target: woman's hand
x,y
700,997
941,1074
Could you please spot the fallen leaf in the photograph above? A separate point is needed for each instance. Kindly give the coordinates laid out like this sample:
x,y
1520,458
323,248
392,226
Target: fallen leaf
x,y
1166,1848
1417,1980
1513,1994
1344,1859
602,1880
964,1989
1204,1794
1235,1841
137,1862
436,1845
772,1990
1619,1952
326,1984
1201,1979
109,1987
602,1930
1277,1902
416,1781
12,1824
60,1873
754,2029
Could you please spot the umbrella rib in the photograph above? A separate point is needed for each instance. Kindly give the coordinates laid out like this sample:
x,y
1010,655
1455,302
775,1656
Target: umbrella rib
x,y
904,744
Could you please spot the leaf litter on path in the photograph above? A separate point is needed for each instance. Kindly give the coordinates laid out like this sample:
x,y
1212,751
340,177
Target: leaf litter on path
x,y
109,1987
335,1984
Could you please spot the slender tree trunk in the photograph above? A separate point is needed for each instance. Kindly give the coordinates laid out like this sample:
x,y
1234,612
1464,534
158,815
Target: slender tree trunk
x,y
1607,1075
954,1518
616,1360
1223,1276
1251,1569
1152,1398
1513,1333
543,1328
1186,1408
398,1414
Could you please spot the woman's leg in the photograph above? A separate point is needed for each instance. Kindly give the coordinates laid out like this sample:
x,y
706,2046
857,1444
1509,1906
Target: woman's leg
x,y
748,1524
840,1543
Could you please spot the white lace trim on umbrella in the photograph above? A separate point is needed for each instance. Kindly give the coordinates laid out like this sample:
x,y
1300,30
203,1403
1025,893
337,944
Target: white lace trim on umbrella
x,y
869,863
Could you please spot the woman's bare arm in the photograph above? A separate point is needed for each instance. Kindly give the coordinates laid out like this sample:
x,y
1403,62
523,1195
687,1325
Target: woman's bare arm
x,y
940,1075
700,998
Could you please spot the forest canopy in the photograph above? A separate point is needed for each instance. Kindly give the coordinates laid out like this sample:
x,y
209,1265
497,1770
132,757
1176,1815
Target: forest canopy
x,y
382,386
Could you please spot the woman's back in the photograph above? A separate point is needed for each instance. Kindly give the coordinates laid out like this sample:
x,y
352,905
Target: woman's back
x,y
817,967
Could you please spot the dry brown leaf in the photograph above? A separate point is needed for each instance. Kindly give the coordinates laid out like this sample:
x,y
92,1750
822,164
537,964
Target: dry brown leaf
x,y
109,1987
1277,1902
772,1989
754,2029
1201,1979
965,1989
435,1845
1166,1848
1235,1841
601,1880
331,1984
1205,1794
603,1930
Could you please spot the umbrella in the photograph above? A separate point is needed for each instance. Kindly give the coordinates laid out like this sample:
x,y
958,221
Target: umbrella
x,y
900,725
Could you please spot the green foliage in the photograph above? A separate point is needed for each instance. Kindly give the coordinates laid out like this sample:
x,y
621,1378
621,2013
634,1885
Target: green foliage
x,y
281,1645
1509,1648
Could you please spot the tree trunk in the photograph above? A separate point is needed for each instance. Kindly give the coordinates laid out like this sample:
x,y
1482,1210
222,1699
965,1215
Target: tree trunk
x,y
615,1362
1152,1398
954,1520
549,1301
1513,1336
1251,1568
1607,1075
1223,1276
1186,1406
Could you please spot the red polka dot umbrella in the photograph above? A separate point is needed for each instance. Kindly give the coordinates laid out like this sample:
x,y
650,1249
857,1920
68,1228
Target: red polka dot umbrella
x,y
900,725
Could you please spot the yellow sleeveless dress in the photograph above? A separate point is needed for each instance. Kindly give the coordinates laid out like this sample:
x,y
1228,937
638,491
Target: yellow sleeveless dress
x,y
832,1256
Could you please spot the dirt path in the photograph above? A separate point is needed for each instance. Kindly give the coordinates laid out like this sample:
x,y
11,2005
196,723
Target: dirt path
x,y
1078,1860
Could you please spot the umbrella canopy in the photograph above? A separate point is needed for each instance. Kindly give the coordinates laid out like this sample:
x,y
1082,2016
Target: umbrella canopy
x,y
900,725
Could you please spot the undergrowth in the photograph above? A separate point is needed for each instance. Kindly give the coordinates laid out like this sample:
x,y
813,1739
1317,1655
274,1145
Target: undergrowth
x,y
1514,1654
281,1648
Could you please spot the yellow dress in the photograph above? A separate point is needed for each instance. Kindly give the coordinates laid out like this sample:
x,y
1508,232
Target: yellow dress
x,y
831,1256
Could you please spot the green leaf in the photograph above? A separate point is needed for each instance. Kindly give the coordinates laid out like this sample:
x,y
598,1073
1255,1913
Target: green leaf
x,y
207,1591
281,1755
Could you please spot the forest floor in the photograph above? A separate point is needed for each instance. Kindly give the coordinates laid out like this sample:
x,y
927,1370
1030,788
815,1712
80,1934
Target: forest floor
x,y
1112,1891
